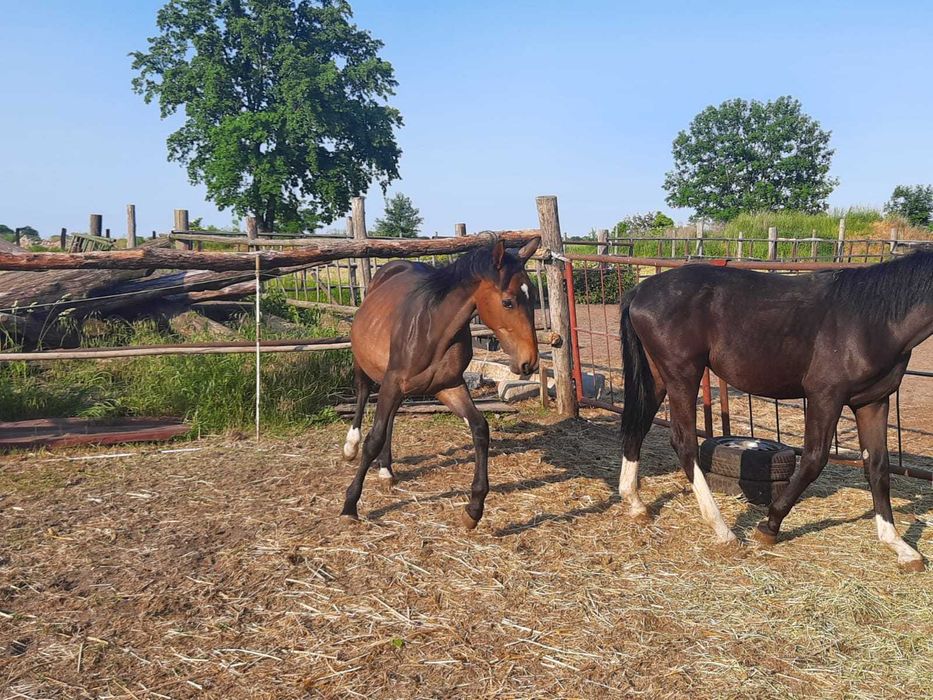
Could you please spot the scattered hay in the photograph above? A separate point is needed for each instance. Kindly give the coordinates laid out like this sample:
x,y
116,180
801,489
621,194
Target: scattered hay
x,y
223,573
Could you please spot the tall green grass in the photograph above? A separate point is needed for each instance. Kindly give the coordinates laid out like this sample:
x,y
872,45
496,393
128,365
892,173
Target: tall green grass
x,y
214,392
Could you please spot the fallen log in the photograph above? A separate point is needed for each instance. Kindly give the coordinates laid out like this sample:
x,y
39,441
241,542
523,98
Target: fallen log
x,y
153,258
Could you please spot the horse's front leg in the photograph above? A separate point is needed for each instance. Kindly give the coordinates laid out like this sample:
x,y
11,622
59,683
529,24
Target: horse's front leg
x,y
822,416
459,401
872,422
390,398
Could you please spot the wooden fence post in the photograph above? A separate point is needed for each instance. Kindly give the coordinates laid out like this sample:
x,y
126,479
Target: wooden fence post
x,y
181,224
17,234
351,266
699,249
106,233
772,243
460,230
602,235
96,225
358,214
841,240
130,225
741,250
252,229
549,223
893,236
63,241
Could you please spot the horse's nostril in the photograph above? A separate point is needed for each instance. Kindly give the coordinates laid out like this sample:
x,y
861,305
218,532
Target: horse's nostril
x,y
527,368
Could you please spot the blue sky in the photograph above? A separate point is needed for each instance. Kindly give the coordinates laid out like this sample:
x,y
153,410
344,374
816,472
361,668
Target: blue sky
x,y
502,101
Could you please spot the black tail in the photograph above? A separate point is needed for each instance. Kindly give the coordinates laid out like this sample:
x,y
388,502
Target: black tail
x,y
640,397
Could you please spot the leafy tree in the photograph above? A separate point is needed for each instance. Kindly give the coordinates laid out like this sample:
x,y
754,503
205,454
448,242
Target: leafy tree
x,y
402,218
642,223
284,102
747,156
914,203
25,232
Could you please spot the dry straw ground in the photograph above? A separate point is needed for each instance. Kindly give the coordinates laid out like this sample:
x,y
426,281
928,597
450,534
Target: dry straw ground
x,y
223,573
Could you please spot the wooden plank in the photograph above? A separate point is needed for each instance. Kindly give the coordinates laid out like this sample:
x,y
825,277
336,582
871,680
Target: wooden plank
x,y
152,258
65,432
218,348
428,408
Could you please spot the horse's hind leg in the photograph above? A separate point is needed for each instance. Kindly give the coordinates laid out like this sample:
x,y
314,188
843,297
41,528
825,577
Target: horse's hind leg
x,y
632,439
459,401
684,441
364,386
822,416
390,397
872,422
384,460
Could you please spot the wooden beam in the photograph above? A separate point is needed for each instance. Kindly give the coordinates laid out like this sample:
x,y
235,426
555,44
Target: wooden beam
x,y
549,222
152,258
235,347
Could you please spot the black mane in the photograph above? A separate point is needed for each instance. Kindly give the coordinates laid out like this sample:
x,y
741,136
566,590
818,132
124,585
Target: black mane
x,y
887,291
474,265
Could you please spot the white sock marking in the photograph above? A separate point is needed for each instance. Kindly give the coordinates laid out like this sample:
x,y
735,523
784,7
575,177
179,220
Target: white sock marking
x,y
708,508
352,443
628,487
887,533
385,473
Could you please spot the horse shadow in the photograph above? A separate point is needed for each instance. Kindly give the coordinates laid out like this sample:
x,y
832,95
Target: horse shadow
x,y
590,449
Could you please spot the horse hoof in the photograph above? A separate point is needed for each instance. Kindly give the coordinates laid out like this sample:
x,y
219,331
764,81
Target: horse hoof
x,y
765,539
348,520
641,518
911,566
387,479
467,522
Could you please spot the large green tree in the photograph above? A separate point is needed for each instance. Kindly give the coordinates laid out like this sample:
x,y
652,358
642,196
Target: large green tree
x,y
285,105
914,203
745,156
401,219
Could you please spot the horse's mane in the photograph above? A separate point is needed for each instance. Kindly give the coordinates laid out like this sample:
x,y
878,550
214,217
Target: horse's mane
x,y
474,265
887,291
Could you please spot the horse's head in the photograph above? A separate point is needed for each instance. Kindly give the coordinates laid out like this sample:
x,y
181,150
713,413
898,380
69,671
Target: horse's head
x,y
505,304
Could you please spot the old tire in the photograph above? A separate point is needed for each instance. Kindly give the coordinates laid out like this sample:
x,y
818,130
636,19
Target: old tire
x,y
758,492
748,459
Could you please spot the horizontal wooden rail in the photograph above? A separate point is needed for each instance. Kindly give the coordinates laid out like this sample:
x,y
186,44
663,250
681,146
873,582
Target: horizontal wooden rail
x,y
724,262
235,347
153,258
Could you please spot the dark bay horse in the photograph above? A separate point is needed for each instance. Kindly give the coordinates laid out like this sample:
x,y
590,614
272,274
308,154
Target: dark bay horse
x,y
838,338
411,335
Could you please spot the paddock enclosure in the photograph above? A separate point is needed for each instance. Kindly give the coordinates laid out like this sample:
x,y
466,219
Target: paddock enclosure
x,y
217,568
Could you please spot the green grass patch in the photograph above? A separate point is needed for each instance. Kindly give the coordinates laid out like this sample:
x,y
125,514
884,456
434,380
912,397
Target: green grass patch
x,y
215,393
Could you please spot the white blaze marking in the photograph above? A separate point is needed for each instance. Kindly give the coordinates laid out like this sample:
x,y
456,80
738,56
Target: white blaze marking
x,y
887,533
525,289
864,454
385,473
628,487
353,441
708,508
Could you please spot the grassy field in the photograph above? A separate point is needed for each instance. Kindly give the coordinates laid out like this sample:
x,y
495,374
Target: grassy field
x,y
213,392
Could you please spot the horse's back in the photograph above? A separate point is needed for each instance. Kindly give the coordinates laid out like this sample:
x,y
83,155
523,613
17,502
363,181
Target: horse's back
x,y
388,298
753,329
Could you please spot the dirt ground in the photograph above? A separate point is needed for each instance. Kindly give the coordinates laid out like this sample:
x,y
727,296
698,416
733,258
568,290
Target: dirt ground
x,y
222,572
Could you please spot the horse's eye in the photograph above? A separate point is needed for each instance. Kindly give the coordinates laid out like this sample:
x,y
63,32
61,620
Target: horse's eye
x,y
508,303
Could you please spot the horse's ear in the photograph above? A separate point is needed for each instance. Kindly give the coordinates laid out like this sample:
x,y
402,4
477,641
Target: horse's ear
x,y
498,253
529,249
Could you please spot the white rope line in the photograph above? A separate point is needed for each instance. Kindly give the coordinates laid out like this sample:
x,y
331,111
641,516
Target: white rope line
x,y
258,293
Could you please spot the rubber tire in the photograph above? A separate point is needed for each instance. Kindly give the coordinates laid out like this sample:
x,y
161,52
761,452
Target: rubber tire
x,y
757,492
727,456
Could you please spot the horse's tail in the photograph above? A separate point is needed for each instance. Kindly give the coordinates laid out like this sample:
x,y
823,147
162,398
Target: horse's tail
x,y
639,388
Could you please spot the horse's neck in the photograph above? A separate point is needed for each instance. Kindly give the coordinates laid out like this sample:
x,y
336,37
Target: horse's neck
x,y
455,311
917,326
